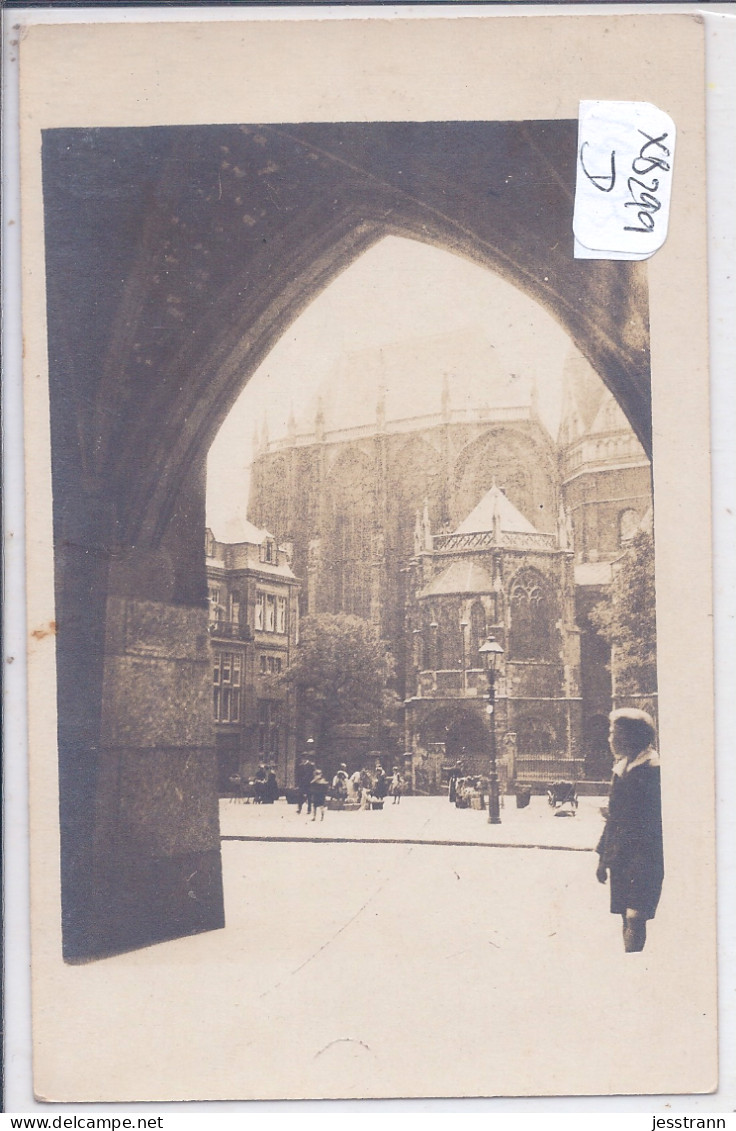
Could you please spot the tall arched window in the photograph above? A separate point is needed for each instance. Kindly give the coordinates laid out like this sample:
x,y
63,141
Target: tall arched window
x,y
348,548
531,633
416,477
477,632
433,638
504,456
277,496
450,634
516,488
627,523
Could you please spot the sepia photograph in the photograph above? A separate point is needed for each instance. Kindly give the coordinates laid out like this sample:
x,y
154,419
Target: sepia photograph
x,y
368,527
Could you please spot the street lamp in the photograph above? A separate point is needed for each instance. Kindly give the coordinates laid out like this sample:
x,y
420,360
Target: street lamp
x,y
490,653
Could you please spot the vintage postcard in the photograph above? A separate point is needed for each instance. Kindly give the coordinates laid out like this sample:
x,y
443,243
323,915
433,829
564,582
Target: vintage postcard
x,y
367,440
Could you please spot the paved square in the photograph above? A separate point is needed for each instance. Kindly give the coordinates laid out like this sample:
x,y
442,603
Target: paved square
x,y
381,968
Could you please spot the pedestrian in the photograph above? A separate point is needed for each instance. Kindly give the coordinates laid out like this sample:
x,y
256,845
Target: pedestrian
x,y
304,774
397,785
355,788
271,791
259,784
455,773
630,849
340,784
366,788
380,784
318,794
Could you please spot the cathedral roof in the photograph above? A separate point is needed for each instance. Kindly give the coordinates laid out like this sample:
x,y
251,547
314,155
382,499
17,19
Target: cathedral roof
x,y
460,577
416,377
495,507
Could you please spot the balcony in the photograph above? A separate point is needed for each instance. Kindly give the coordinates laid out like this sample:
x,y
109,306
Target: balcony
x,y
507,540
228,630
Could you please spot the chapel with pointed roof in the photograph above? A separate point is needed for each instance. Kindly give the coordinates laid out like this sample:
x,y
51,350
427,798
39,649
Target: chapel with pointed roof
x,y
495,574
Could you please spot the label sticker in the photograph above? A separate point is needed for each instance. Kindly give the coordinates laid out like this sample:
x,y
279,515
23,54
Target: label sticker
x,y
624,180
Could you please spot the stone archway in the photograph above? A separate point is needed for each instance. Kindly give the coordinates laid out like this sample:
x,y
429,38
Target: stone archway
x,y
461,732
176,257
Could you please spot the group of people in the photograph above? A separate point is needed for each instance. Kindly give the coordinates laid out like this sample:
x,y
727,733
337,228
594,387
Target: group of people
x,y
468,791
361,789
630,848
265,786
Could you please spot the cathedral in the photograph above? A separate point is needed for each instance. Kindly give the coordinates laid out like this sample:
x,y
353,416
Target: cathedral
x,y
446,522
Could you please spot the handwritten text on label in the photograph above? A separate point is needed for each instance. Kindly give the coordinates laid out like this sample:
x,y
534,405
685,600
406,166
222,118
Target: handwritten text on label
x,y
622,198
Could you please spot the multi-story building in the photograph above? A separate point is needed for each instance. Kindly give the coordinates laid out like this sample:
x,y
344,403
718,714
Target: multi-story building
x,y
254,625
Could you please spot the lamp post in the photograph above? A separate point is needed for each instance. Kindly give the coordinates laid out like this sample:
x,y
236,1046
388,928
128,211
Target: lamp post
x,y
489,654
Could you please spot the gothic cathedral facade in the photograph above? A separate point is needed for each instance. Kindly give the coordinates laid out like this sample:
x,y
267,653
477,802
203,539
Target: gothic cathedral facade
x,y
444,527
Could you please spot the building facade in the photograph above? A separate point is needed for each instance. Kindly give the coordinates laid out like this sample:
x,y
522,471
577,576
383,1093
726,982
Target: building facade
x,y
253,627
494,575
606,483
446,525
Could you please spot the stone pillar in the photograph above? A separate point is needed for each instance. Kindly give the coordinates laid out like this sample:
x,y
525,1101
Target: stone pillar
x,y
140,838
157,848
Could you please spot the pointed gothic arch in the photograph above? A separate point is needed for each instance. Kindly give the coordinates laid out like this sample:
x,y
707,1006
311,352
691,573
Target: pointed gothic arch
x,y
517,459
159,311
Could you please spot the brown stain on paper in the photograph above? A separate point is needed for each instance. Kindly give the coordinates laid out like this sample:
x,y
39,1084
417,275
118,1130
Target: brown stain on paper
x,y
42,633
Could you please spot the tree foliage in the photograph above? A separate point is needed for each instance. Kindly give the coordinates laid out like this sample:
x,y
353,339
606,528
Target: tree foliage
x,y
342,673
626,619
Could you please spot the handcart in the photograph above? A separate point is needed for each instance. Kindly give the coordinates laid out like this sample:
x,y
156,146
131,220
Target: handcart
x,y
560,794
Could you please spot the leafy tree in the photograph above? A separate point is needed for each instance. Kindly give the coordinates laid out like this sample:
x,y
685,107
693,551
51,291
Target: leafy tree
x,y
626,619
342,673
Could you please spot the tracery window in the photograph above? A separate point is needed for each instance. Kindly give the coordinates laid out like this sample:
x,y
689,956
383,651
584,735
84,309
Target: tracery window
x,y
531,633
477,632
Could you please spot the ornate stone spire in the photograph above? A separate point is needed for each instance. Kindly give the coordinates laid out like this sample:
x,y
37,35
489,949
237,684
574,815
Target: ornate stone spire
x,y
426,527
564,528
381,407
418,535
496,528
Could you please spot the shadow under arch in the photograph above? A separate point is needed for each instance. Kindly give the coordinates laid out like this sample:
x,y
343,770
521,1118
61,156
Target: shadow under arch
x,y
167,284
253,329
